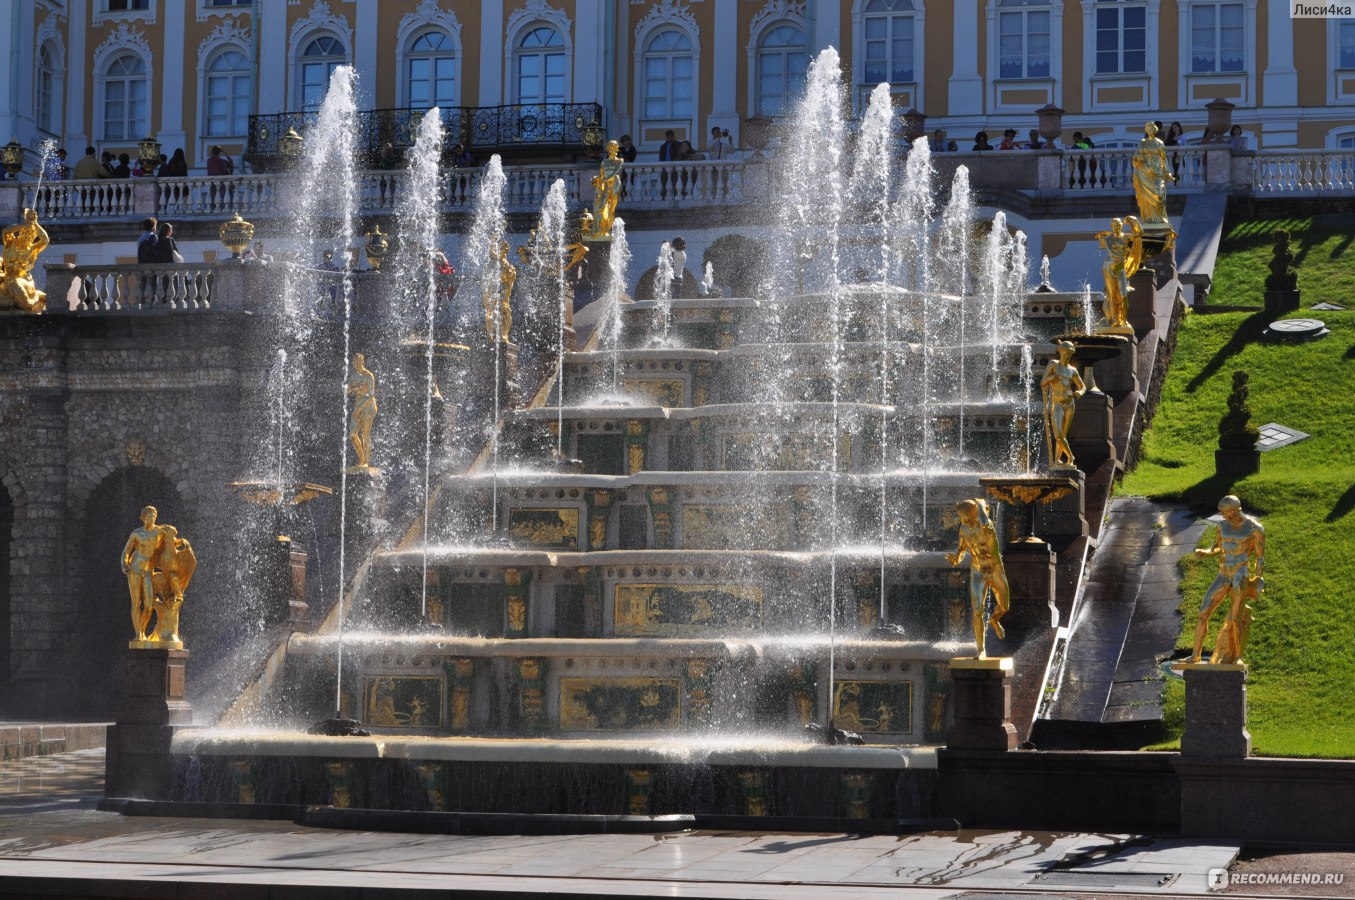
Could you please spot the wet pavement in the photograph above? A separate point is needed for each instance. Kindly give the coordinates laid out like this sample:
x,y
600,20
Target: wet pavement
x,y
53,839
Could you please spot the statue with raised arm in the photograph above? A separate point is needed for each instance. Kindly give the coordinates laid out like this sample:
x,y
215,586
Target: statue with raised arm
x,y
362,388
978,541
1124,255
606,193
498,297
1241,549
1062,387
22,244
1151,174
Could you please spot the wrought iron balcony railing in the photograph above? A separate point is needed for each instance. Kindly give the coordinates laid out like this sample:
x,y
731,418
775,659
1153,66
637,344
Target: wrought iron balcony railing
x,y
481,128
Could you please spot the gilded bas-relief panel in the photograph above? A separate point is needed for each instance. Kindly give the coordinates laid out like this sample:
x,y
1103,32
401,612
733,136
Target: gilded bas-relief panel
x,y
677,609
728,526
752,450
620,704
557,529
397,701
667,392
874,707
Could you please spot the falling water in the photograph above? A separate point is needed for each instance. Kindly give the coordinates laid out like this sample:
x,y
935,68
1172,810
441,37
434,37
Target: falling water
x,y
618,265
1088,317
550,257
1022,453
420,218
708,280
663,290
277,380
481,266
46,150
955,225
996,255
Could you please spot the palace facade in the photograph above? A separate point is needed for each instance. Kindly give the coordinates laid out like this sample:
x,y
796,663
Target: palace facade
x,y
192,73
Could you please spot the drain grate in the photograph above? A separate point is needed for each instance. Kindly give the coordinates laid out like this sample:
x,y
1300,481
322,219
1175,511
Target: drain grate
x,y
1109,879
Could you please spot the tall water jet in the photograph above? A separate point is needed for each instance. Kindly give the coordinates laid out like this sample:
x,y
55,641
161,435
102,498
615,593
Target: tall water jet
x,y
549,258
1088,315
663,291
996,256
956,222
618,268
420,219
911,222
481,267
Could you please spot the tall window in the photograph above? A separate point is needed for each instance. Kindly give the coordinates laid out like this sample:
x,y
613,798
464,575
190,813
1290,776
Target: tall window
x,y
430,69
227,95
318,61
668,75
1216,37
47,89
125,99
1121,32
1345,36
541,66
1023,39
888,30
781,63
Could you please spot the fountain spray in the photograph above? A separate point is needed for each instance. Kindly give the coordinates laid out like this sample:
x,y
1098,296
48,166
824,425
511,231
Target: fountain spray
x,y
480,264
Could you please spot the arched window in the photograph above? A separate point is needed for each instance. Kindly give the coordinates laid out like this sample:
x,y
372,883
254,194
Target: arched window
x,y
430,71
668,82
781,63
124,99
540,75
318,61
1023,49
48,89
226,94
888,32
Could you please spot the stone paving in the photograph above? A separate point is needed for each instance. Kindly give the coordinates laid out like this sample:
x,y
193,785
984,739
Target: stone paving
x,y
49,830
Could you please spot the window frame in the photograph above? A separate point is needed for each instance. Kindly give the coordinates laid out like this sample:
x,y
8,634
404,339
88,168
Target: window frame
x,y
451,52
107,79
668,56
861,18
330,61
1218,30
233,76
54,73
544,54
1119,7
102,12
784,52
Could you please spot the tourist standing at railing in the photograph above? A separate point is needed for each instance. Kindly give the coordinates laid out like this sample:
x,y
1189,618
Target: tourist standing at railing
x,y
89,166
1009,141
981,142
1175,137
461,157
219,164
939,144
1238,139
668,152
124,167
145,245
1086,168
177,167
718,147
166,248
626,149
256,254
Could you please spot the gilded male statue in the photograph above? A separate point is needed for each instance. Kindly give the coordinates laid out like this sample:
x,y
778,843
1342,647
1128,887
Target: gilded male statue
x,y
22,244
978,540
159,565
607,192
1062,386
1241,549
1124,254
138,564
1151,174
362,388
498,299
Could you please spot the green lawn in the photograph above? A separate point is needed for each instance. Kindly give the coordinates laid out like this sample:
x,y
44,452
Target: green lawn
x,y
1302,650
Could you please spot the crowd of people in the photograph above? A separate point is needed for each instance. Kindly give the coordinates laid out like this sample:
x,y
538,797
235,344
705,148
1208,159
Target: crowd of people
x,y
106,165
1174,136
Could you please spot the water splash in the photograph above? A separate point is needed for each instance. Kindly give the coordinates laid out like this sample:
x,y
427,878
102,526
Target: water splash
x,y
549,259
664,277
708,280
618,267
1088,316
1044,271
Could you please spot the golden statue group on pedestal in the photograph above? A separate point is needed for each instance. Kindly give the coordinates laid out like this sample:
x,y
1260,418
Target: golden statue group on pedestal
x,y
158,565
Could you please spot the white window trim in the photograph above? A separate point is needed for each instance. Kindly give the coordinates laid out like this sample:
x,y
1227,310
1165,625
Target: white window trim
x,y
228,34
1336,134
1152,60
774,13
320,21
103,14
428,17
49,33
122,39
1186,77
1055,59
206,11
917,85
1335,74
659,18
536,14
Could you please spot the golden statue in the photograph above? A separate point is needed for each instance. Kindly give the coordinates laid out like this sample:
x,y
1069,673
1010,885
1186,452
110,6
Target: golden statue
x,y
159,565
1151,174
499,303
578,250
606,193
1124,255
23,243
978,539
362,388
1241,549
1062,386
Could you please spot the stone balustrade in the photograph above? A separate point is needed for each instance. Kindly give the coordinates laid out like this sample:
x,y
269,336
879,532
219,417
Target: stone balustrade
x,y
683,185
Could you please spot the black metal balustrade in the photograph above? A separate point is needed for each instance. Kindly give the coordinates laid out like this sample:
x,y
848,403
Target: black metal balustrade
x,y
482,129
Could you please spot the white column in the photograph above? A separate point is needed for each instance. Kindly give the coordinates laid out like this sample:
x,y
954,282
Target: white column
x,y
11,68
364,54
588,53
724,100
492,53
171,133
965,94
75,136
1280,81
273,63
827,25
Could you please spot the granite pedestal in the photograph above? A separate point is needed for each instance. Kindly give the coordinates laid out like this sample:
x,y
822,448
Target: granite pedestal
x,y
1092,433
1066,516
1141,301
1117,375
1216,712
983,705
139,763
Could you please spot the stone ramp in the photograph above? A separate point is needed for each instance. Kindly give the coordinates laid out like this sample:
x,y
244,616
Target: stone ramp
x,y
1197,245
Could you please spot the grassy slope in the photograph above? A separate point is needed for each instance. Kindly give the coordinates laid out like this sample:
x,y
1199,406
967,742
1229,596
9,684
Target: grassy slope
x,y
1302,683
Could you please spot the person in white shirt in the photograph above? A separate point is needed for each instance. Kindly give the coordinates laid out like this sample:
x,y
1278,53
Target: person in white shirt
x,y
718,147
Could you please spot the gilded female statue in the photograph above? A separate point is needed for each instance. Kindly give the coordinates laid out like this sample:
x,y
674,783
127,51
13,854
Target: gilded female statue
x,y
1061,387
1124,254
978,540
362,388
607,191
498,299
1151,174
22,243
